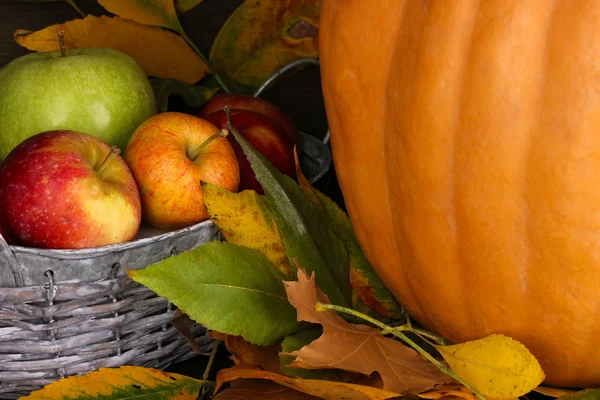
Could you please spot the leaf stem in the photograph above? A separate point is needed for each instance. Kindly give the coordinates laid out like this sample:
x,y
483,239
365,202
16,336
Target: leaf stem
x,y
72,3
394,331
421,332
217,76
211,359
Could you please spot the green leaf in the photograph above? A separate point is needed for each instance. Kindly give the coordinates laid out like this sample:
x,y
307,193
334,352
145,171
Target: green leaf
x,y
122,383
183,6
260,37
227,288
587,394
308,243
371,293
193,95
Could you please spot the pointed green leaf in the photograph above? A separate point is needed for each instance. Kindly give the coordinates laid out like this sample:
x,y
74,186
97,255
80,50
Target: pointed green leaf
x,y
371,292
587,394
126,382
228,288
308,242
193,95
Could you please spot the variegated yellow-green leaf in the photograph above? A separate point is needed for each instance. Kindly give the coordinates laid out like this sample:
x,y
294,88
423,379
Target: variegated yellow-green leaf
x,y
183,6
137,383
260,37
370,291
148,12
159,52
496,366
245,219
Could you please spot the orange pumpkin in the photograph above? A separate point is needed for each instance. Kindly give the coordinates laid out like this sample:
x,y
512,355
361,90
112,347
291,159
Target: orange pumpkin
x,y
466,139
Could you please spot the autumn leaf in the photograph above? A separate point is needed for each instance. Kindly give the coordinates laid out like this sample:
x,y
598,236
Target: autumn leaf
x,y
245,219
183,6
182,323
193,95
307,241
496,366
250,355
357,348
246,389
122,383
365,282
227,288
554,392
159,52
260,37
148,12
448,391
327,390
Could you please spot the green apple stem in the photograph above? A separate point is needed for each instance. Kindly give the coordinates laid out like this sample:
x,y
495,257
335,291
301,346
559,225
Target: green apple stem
x,y
61,41
114,151
218,134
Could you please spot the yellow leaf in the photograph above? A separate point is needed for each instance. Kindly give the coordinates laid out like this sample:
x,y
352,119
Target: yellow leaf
x,y
147,12
245,219
328,390
496,366
260,37
159,52
122,383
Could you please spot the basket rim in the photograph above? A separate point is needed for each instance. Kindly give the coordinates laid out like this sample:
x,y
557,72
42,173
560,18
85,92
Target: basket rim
x,y
95,251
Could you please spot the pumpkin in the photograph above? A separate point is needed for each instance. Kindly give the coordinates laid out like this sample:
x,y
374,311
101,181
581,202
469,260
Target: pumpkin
x,y
466,140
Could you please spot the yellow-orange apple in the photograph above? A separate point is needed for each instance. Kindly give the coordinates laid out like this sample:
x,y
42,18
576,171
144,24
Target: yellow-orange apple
x,y
67,190
238,101
170,154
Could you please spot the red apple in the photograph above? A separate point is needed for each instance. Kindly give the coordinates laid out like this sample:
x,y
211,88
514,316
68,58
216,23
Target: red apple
x,y
170,154
66,190
238,101
265,135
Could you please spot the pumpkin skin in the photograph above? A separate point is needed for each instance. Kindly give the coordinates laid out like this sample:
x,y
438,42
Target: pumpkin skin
x,y
466,141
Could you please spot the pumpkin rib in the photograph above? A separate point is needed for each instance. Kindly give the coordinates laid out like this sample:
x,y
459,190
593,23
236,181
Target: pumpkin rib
x,y
400,232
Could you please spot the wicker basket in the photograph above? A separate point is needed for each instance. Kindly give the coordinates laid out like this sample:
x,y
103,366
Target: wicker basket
x,y
69,312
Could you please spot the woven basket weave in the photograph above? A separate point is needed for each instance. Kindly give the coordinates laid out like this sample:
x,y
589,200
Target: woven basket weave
x,y
69,312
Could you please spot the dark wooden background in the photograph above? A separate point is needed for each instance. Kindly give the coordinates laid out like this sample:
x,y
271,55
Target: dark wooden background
x,y
299,96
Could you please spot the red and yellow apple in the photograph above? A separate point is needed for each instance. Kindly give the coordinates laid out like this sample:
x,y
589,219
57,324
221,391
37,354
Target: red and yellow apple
x,y
67,190
170,155
265,135
238,101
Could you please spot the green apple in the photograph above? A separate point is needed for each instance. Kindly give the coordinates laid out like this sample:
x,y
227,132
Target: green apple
x,y
102,92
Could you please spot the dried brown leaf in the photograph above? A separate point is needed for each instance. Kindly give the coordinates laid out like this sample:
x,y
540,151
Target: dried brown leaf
x,y
327,390
246,389
357,348
249,355
182,323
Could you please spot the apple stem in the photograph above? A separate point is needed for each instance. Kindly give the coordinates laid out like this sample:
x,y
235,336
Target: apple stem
x,y
218,134
61,41
114,151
